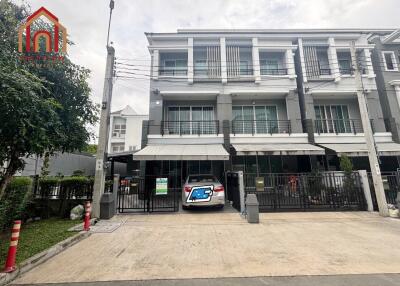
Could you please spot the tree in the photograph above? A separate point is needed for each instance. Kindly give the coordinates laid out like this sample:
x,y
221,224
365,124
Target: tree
x,y
91,149
43,108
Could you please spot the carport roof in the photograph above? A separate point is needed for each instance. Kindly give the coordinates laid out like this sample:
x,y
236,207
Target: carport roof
x,y
177,152
360,149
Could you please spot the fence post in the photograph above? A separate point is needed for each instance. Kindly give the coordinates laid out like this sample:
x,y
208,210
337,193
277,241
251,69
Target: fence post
x,y
241,192
115,190
366,189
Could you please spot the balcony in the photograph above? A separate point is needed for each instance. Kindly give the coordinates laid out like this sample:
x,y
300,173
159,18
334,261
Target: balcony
x,y
338,126
261,127
273,63
173,64
190,127
207,62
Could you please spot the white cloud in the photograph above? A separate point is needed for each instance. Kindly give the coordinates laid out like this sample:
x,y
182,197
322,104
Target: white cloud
x,y
87,21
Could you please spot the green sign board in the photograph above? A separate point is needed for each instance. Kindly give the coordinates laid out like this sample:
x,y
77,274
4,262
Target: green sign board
x,y
161,186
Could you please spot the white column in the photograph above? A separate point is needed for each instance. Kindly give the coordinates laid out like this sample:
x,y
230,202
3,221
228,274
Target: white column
x,y
190,62
302,61
256,61
333,59
366,189
290,63
368,63
224,74
156,63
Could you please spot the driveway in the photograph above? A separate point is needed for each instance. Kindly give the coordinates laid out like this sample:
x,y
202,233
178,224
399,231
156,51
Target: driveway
x,y
218,245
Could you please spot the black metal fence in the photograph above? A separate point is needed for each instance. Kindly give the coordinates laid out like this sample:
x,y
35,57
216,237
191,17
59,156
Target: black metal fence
x,y
59,190
305,191
391,181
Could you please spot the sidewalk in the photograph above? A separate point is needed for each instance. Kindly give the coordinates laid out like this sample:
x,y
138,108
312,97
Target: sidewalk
x,y
217,245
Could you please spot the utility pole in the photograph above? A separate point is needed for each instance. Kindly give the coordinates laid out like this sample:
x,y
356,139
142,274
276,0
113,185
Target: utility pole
x,y
101,156
369,138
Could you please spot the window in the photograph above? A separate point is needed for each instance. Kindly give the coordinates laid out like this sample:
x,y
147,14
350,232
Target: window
x,y
269,67
333,119
345,65
132,148
119,129
255,119
200,67
173,64
190,120
389,59
245,68
117,147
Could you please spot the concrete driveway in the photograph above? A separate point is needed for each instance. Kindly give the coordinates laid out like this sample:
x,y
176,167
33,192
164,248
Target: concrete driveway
x,y
217,244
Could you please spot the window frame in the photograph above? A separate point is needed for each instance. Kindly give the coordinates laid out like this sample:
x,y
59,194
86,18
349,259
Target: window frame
x,y
394,61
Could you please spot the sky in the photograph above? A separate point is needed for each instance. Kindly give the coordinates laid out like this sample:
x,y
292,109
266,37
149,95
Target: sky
x,y
87,20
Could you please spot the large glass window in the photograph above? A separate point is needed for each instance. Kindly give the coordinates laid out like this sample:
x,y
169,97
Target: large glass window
x,y
333,119
190,120
390,61
255,119
344,60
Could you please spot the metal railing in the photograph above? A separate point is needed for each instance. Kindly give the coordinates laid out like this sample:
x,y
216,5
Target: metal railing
x,y
338,126
260,126
194,127
172,71
346,71
273,71
324,71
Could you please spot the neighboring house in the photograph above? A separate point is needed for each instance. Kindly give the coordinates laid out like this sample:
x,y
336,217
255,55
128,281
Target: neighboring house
x,y
60,163
386,62
261,101
125,130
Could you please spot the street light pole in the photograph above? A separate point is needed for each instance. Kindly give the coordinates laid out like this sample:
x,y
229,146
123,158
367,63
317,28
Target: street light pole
x,y
101,156
369,138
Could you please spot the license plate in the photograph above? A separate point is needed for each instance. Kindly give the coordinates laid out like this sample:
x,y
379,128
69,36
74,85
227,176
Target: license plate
x,y
200,194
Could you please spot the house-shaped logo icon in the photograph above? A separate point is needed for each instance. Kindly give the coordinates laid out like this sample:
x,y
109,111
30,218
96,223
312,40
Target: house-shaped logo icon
x,y
52,37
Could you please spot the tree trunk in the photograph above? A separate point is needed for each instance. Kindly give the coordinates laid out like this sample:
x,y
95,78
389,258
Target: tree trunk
x,y
15,163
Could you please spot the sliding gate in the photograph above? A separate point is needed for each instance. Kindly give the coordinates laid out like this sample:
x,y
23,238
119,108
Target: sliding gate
x,y
141,195
307,192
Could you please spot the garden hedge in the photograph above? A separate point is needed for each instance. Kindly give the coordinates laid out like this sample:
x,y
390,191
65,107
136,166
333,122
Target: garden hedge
x,y
14,204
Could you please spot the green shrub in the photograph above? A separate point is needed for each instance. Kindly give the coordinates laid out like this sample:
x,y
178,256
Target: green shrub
x,y
14,203
75,185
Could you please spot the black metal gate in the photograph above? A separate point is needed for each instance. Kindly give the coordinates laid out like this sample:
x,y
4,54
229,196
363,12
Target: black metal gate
x,y
233,192
391,185
307,192
134,195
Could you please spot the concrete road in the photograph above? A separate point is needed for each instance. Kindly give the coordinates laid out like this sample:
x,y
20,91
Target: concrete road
x,y
337,280
223,245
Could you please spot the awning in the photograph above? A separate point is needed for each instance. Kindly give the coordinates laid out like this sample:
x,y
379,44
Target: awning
x,y
201,152
278,149
360,149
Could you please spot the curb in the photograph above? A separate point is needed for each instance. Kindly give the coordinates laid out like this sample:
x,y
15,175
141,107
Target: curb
x,y
41,257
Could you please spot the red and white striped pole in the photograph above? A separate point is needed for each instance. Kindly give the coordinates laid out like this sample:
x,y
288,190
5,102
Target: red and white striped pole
x,y
88,210
12,250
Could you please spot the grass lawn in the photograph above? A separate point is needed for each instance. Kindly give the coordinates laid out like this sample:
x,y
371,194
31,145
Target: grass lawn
x,y
36,237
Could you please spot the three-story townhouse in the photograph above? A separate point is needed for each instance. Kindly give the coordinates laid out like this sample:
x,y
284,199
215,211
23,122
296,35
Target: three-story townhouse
x,y
224,100
328,97
386,61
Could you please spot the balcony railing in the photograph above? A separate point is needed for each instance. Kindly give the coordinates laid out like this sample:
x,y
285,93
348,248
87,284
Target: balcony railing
x,y
172,71
190,127
338,126
273,71
324,71
260,126
346,71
